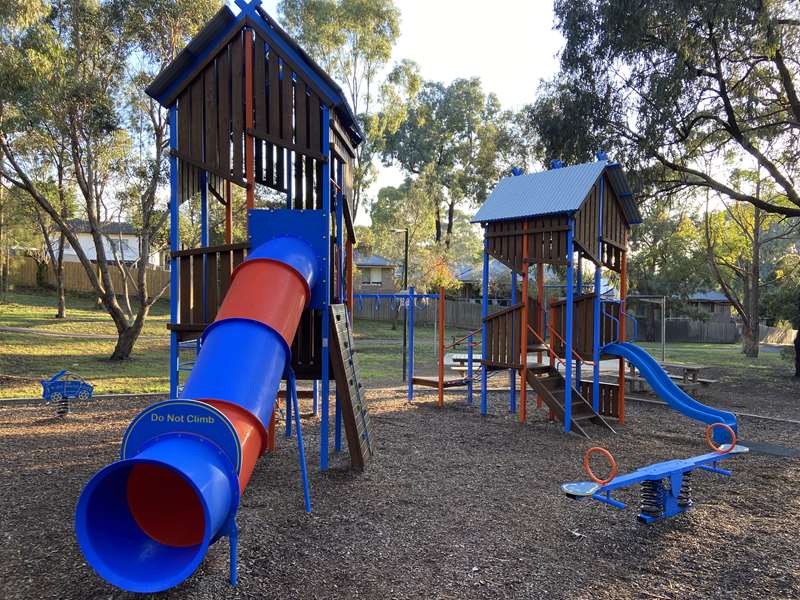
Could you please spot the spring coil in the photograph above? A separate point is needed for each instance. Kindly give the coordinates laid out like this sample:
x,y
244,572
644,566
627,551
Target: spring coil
x,y
685,495
652,499
62,407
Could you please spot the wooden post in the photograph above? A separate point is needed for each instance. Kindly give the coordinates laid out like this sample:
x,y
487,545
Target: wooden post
x,y
623,292
540,316
348,275
249,141
440,402
523,371
228,213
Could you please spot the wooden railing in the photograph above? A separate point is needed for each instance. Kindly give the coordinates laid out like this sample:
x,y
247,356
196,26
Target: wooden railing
x,y
582,324
609,398
503,335
204,277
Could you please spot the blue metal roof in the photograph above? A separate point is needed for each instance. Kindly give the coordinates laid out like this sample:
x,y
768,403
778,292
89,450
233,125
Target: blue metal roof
x,y
708,296
556,191
372,261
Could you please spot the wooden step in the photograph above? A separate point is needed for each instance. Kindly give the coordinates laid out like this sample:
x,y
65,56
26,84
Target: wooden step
x,y
537,348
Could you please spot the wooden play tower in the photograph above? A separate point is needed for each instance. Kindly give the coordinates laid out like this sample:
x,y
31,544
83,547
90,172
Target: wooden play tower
x,y
566,217
248,107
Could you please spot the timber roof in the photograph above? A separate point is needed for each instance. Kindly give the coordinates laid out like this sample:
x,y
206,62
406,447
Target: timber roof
x,y
202,48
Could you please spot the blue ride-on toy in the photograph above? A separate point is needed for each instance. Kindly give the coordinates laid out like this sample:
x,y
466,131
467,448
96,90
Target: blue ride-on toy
x,y
65,384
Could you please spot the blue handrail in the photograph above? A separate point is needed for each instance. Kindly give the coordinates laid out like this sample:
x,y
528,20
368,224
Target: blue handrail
x,y
623,314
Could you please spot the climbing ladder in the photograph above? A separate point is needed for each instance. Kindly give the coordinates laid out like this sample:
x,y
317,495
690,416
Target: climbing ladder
x,y
350,390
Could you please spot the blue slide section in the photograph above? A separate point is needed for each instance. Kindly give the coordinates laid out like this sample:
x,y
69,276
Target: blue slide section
x,y
667,390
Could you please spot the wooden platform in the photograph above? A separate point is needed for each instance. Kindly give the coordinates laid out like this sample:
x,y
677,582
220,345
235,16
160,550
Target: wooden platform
x,y
434,381
350,390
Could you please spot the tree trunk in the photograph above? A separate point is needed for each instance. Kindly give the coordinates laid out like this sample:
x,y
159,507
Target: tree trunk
x,y
797,354
451,207
750,341
61,301
128,336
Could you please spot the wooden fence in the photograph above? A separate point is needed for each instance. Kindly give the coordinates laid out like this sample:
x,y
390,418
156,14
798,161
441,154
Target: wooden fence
x,y
458,313
22,272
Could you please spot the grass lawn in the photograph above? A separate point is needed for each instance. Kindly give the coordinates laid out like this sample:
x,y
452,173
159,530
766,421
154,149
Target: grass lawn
x,y
26,358
35,357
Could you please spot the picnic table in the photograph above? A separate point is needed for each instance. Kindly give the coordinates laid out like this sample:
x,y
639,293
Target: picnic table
x,y
686,375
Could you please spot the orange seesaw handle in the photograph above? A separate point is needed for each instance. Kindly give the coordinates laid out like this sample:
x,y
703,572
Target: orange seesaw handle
x,y
710,439
611,461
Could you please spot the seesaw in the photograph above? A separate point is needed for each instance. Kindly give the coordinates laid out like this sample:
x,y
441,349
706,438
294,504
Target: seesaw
x,y
658,500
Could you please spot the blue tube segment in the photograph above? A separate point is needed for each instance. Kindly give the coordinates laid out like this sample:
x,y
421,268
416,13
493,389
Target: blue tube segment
x,y
242,362
114,544
292,251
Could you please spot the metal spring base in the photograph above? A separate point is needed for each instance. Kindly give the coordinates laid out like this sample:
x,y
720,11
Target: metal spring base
x,y
685,495
652,495
62,407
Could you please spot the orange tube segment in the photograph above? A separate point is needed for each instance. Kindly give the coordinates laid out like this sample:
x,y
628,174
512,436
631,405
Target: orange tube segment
x,y
287,290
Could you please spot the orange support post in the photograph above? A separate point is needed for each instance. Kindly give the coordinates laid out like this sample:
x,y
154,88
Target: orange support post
x,y
523,371
249,141
540,315
623,292
228,213
440,402
552,351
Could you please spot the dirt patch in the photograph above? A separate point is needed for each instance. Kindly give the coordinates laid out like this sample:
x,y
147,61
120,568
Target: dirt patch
x,y
454,505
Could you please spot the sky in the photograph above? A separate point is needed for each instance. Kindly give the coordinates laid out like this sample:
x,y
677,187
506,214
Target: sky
x,y
510,46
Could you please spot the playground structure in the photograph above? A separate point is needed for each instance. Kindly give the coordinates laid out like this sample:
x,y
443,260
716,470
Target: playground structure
x,y
658,501
247,107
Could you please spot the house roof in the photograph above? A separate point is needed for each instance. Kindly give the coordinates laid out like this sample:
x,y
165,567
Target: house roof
x,y
200,50
372,261
109,228
708,296
561,190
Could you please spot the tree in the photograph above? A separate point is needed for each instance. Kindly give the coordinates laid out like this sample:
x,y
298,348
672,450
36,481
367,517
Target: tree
x,y
75,69
782,298
683,87
738,240
352,40
456,135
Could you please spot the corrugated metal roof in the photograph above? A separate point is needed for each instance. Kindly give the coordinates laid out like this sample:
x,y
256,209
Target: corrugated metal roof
x,y
710,296
552,192
372,261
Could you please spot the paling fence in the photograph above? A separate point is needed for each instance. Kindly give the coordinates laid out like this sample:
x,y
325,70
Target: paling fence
x,y
22,272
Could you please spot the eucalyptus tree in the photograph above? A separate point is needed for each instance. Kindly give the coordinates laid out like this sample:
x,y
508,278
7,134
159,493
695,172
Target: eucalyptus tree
x,y
352,40
75,69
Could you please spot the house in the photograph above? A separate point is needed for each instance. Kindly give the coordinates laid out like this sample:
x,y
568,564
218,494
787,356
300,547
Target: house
x,y
715,304
121,242
376,274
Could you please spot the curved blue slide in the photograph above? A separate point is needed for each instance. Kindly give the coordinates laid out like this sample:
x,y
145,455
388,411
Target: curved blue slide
x,y
666,389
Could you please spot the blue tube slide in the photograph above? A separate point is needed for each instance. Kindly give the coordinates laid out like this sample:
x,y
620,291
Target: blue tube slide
x,y
667,390
145,522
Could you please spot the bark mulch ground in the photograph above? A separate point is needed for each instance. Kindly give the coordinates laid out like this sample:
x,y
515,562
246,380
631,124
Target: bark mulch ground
x,y
452,506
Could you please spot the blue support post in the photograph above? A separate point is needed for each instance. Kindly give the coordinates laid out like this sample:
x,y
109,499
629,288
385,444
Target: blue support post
x,y
512,374
568,327
598,306
288,399
315,401
484,314
578,291
326,271
174,244
291,400
410,362
470,373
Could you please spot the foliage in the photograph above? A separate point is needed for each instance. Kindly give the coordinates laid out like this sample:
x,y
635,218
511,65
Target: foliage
x,y
685,92
75,76
782,298
352,40
456,135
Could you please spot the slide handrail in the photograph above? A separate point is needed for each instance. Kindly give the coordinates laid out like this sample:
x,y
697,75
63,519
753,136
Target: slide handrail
x,y
461,339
